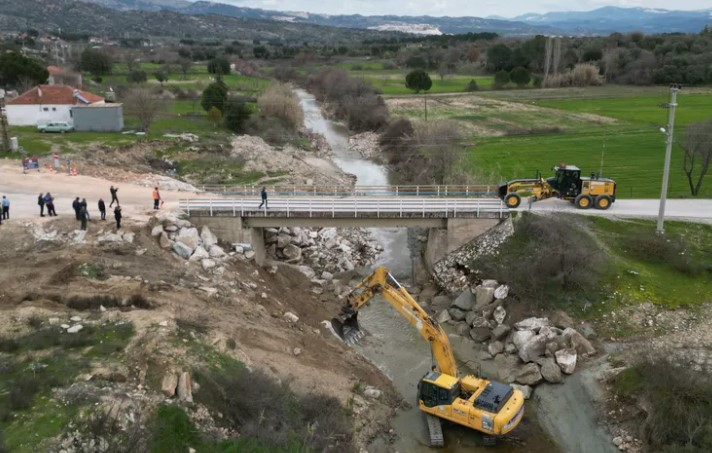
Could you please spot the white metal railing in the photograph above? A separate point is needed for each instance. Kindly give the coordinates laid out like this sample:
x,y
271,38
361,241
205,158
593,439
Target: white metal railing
x,y
382,207
460,191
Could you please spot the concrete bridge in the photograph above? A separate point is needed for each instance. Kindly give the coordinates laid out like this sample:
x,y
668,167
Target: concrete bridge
x,y
451,222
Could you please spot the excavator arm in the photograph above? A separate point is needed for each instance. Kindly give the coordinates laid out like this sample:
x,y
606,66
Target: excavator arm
x,y
381,281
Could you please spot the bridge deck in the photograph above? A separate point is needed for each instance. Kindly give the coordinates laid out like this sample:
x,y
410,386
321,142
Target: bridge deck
x,y
353,207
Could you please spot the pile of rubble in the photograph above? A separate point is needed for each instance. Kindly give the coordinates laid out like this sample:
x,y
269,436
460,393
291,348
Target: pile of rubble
x,y
298,165
454,273
174,232
365,144
322,252
527,352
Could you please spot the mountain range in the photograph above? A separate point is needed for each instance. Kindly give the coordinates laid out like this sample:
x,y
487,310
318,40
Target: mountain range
x,y
603,20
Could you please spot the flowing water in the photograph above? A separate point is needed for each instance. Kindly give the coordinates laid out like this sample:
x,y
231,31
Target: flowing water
x,y
394,345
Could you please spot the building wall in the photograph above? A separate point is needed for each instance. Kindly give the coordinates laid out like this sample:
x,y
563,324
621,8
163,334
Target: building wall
x,y
32,115
102,119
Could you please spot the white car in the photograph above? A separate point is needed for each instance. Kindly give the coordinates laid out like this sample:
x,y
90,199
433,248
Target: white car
x,y
55,126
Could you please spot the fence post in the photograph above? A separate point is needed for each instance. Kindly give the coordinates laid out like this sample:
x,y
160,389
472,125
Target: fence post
x,y
234,208
211,207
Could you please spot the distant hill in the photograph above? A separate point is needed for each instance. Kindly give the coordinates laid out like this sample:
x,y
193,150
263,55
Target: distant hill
x,y
611,19
600,21
92,18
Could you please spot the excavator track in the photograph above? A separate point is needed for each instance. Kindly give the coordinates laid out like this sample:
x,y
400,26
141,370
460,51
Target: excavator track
x,y
435,429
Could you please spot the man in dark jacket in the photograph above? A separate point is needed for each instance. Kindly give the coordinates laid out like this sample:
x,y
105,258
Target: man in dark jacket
x,y
114,198
41,203
263,194
49,202
84,215
102,209
85,206
117,216
77,205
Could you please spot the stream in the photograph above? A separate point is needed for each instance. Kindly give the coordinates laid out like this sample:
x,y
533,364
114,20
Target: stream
x,y
396,348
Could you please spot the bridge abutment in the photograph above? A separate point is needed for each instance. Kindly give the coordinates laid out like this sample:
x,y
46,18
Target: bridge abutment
x,y
458,232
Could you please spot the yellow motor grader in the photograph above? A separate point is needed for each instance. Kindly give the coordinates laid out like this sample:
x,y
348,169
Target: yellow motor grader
x,y
567,183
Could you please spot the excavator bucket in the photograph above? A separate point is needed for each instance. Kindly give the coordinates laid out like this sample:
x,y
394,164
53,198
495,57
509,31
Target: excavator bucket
x,y
346,326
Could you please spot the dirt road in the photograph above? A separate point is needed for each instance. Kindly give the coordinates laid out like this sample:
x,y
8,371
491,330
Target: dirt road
x,y
23,189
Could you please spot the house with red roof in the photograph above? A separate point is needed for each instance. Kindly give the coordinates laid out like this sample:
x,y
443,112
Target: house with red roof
x,y
45,103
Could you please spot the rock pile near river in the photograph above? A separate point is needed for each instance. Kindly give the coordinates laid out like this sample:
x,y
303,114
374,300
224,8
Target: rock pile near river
x,y
527,352
322,252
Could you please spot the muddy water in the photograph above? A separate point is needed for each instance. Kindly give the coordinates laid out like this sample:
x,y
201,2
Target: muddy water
x,y
396,348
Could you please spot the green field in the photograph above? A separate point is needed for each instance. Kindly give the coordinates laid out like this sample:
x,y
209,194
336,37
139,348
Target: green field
x,y
516,132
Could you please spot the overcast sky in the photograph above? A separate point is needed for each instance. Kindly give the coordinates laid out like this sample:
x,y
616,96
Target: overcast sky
x,y
479,8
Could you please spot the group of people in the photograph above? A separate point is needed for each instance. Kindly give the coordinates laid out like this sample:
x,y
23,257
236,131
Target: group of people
x,y
81,210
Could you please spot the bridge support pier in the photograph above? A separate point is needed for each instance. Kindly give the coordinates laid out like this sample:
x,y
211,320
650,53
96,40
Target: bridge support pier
x,y
457,233
257,239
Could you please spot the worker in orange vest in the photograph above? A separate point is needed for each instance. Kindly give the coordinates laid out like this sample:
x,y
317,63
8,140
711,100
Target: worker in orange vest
x,y
156,198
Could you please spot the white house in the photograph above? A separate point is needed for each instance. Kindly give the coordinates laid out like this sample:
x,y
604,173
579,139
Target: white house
x,y
46,103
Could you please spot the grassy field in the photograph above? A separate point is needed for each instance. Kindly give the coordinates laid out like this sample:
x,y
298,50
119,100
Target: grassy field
x,y
516,132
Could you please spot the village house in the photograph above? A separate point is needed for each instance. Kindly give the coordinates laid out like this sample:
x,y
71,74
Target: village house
x,y
46,103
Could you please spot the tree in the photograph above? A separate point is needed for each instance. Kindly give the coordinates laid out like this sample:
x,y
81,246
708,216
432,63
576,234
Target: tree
x,y
137,76
498,57
215,95
185,65
16,68
260,52
161,76
520,76
471,85
697,153
219,66
440,141
143,104
473,54
279,101
236,115
214,115
419,80
95,62
501,78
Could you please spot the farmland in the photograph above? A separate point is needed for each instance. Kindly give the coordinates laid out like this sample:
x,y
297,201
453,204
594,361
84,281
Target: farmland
x,y
512,133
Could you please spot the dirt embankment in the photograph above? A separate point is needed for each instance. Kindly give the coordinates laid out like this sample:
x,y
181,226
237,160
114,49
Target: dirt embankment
x,y
239,311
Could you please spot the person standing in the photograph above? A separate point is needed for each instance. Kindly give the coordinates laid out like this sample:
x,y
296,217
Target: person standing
x,y
156,198
117,216
41,203
49,202
77,205
84,214
114,198
102,209
85,206
5,208
263,194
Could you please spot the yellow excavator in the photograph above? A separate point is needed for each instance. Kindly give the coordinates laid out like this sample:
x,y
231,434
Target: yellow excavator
x,y
490,407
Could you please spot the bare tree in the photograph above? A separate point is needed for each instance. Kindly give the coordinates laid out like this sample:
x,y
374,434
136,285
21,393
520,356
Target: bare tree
x,y
145,105
441,141
698,153
185,66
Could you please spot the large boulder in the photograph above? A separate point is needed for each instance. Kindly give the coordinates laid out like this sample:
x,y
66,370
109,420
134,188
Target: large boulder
x,y
529,374
489,284
189,237
499,315
157,231
550,332
164,241
199,254
292,253
532,324
483,296
500,332
496,347
550,371
208,264
579,342
216,251
522,336
182,250
283,240
566,359
438,302
444,317
457,314
427,294
169,384
471,316
480,334
533,349
501,292
465,301
208,237
462,329
561,320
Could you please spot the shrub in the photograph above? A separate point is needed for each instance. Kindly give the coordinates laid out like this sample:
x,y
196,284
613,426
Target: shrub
x,y
272,130
366,113
585,74
546,261
22,392
137,76
279,101
520,76
389,65
236,114
214,95
501,78
657,248
471,86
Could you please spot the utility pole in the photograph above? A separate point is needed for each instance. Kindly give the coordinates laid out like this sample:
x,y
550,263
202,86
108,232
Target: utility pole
x,y
668,151
3,126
